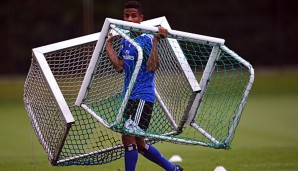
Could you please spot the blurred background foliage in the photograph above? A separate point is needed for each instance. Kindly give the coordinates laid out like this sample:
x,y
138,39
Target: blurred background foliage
x,y
264,32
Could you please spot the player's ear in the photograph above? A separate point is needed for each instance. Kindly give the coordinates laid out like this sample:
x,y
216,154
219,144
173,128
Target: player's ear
x,y
141,17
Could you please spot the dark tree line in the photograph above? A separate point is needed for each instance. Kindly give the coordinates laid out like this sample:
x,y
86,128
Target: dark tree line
x,y
262,31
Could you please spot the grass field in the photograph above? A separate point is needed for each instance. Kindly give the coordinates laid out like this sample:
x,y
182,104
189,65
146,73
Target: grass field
x,y
266,138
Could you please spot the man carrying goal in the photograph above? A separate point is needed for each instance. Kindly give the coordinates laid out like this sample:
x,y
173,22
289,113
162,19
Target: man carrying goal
x,y
140,104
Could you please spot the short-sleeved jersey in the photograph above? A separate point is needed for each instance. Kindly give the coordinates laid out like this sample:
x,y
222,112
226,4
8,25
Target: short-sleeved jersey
x,y
144,84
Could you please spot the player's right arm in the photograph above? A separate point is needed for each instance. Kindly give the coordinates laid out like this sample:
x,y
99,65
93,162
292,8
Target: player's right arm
x,y
153,61
117,63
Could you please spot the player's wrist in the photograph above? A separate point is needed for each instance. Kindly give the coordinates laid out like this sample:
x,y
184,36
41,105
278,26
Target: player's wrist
x,y
157,37
109,40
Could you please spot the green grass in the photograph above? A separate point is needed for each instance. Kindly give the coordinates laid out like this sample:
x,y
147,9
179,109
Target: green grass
x,y
266,138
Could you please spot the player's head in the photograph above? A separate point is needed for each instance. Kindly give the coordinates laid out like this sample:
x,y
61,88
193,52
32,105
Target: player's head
x,y
133,12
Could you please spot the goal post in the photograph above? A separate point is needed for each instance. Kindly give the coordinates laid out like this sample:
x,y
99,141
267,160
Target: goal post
x,y
75,99
109,26
245,93
187,60
59,116
69,134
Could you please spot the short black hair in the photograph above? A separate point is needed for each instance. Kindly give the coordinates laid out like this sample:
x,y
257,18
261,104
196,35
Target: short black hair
x,y
134,4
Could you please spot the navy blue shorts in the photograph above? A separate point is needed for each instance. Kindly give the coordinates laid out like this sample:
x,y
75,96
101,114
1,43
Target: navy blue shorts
x,y
139,111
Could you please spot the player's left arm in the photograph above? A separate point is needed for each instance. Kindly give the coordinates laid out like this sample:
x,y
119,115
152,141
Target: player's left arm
x,y
153,62
115,60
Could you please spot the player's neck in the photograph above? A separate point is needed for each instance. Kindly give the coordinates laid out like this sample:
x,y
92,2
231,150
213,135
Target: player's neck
x,y
134,34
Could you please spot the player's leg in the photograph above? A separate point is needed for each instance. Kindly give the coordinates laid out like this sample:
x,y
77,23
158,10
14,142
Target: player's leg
x,y
149,151
131,152
129,142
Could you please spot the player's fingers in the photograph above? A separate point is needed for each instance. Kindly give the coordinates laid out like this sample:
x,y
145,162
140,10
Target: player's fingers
x,y
163,30
110,35
160,29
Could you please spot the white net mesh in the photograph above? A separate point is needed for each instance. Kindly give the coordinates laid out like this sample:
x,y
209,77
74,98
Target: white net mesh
x,y
183,67
220,102
87,137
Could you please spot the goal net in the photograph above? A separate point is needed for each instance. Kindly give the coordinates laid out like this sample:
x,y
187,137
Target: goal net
x,y
76,101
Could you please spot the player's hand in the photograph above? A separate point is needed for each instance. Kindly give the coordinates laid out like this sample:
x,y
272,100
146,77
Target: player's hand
x,y
110,37
109,46
162,33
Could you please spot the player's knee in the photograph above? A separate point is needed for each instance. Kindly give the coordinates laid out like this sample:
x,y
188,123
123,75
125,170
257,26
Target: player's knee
x,y
131,147
128,140
143,148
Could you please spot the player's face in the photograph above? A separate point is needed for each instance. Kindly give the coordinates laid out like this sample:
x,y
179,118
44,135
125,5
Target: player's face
x,y
133,15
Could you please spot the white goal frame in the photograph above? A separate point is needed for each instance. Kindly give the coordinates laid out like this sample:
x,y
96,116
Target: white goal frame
x,y
198,88
197,94
39,54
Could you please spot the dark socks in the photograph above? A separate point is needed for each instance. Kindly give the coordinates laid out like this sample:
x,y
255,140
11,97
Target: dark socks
x,y
155,156
131,157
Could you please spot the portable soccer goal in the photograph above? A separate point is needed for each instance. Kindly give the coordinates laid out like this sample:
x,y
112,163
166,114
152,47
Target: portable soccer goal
x,y
76,102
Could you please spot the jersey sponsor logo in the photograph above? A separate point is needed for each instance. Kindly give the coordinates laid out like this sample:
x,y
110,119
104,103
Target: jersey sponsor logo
x,y
127,56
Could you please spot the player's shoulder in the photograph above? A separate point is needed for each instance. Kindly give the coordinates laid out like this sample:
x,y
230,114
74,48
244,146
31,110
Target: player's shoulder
x,y
147,37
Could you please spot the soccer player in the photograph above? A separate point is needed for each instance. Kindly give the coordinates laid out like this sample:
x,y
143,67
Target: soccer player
x,y
140,103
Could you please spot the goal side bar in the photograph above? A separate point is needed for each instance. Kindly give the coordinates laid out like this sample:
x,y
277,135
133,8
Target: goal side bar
x,y
134,75
199,97
38,131
245,93
54,87
90,154
58,96
204,83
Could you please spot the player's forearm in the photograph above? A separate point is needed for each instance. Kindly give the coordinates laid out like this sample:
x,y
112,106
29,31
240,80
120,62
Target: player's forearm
x,y
116,62
153,61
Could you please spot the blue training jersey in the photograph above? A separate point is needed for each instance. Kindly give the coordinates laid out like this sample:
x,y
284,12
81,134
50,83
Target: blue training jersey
x,y
144,85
